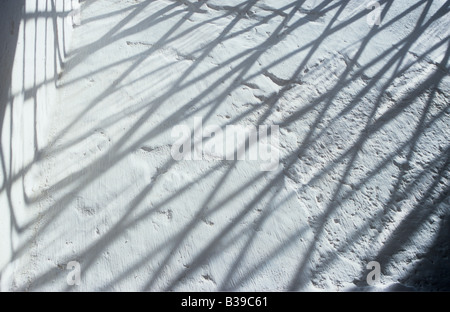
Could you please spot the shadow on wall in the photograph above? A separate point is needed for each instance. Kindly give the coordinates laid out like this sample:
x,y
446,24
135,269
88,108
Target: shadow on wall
x,y
11,15
359,166
33,48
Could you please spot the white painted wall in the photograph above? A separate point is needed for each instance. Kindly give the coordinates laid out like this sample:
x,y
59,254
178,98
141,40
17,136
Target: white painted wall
x,y
34,44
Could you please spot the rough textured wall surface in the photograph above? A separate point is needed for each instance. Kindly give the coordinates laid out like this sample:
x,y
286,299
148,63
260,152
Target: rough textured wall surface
x,y
364,124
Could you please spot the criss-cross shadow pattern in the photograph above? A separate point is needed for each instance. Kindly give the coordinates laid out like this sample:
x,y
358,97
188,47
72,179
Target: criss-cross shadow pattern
x,y
364,120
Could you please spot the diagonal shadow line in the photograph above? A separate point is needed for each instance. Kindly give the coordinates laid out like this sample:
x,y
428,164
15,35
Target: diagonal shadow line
x,y
154,21
364,91
195,264
189,227
111,14
416,217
